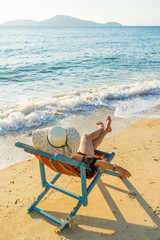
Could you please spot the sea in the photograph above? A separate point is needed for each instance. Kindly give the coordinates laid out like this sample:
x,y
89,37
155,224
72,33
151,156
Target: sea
x,y
77,76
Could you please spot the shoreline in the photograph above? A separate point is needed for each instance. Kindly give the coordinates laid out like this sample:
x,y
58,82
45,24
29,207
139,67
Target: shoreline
x,y
128,209
131,100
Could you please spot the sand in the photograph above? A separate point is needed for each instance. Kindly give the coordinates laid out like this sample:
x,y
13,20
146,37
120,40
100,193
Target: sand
x,y
117,209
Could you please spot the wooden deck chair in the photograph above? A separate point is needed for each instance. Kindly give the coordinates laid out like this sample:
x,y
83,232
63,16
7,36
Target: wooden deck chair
x,y
63,165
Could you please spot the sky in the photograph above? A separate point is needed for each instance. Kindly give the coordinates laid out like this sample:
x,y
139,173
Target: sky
x,y
126,12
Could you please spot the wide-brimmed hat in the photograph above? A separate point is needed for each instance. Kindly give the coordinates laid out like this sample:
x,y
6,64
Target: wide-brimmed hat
x,y
57,140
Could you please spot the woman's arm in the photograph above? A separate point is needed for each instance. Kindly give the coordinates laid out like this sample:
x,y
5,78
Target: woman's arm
x,y
108,166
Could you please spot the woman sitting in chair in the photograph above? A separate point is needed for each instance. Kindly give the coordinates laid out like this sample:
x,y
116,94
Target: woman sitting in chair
x,y
66,141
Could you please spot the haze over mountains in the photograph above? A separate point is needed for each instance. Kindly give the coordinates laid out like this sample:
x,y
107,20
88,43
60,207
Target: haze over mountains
x,y
59,20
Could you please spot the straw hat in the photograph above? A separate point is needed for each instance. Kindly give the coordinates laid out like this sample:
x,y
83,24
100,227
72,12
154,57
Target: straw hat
x,y
57,140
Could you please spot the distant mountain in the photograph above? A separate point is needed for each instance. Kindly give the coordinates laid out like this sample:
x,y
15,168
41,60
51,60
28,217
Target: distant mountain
x,y
59,20
21,22
113,24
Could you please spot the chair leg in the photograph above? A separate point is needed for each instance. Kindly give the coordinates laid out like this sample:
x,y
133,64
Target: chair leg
x,y
84,185
69,220
43,193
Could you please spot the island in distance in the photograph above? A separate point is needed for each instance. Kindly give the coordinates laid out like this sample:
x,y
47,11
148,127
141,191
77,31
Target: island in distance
x,y
59,20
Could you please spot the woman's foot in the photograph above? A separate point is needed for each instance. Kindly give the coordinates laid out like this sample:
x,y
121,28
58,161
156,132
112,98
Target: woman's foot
x,y
100,125
108,128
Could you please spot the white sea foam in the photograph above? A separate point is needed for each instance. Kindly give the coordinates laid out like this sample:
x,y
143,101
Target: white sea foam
x,y
126,101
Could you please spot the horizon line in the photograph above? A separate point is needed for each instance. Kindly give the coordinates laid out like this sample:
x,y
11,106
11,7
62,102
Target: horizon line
x,y
39,21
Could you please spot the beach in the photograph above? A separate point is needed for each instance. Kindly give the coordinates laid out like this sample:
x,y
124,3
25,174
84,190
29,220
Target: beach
x,y
117,209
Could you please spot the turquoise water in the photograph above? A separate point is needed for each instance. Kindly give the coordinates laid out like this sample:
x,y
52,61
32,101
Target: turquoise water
x,y
52,72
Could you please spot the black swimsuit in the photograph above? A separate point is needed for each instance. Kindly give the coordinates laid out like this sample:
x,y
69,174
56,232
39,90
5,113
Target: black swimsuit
x,y
90,162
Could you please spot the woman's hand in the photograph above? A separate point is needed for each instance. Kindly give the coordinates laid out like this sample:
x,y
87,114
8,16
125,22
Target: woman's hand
x,y
123,172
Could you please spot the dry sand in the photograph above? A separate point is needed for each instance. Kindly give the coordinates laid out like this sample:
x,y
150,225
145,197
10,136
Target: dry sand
x,y
117,209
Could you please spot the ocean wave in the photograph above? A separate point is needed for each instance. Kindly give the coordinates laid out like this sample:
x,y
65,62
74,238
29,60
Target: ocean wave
x,y
125,100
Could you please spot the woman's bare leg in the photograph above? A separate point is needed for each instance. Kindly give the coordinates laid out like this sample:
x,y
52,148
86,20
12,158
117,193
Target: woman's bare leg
x,y
86,145
90,141
106,130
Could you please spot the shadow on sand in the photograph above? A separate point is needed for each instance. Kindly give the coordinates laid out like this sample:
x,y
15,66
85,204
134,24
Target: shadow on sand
x,y
127,231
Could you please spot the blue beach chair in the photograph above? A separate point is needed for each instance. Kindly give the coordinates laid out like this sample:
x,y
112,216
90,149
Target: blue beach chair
x,y
63,165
